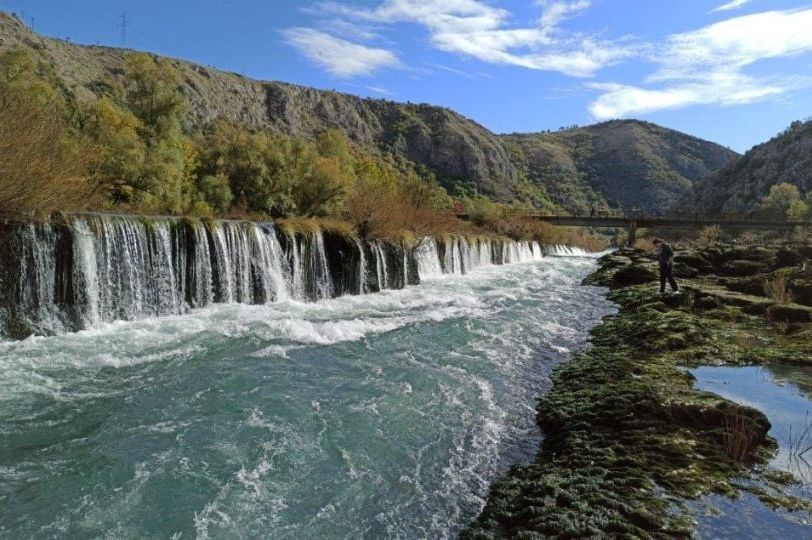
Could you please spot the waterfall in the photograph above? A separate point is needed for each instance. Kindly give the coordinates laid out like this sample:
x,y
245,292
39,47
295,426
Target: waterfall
x,y
86,278
566,251
81,270
453,259
297,271
321,272
428,258
405,265
380,266
200,268
363,287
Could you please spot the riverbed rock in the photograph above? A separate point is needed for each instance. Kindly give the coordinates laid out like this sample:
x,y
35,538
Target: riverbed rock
x,y
790,313
695,261
682,270
743,268
634,274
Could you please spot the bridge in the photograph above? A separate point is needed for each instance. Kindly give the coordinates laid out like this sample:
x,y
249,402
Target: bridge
x,y
633,222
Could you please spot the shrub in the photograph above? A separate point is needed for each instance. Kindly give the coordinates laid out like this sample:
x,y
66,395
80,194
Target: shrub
x,y
709,235
777,289
43,167
216,192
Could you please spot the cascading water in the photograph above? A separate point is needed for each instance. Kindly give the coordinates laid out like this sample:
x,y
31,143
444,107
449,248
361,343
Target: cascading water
x,y
428,259
566,251
380,266
363,286
96,268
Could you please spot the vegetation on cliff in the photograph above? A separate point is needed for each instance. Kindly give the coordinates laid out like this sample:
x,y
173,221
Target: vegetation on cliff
x,y
621,163
617,164
741,187
627,437
129,151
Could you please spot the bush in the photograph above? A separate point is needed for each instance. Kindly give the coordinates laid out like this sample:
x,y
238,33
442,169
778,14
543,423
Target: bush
x,y
216,192
777,289
43,167
709,235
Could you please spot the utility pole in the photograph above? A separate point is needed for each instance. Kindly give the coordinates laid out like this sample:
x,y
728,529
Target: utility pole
x,y
123,26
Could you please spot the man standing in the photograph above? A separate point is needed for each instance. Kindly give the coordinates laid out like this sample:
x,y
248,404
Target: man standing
x,y
665,256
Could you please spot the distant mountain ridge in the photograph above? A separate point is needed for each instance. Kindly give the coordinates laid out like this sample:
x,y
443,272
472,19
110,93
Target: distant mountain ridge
x,y
621,163
741,186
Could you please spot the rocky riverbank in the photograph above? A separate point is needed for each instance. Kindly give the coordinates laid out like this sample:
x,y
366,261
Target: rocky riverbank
x,y
627,437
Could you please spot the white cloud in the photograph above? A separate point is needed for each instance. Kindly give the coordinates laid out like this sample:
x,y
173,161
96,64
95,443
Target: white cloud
x,y
622,100
707,66
476,29
380,90
339,57
734,4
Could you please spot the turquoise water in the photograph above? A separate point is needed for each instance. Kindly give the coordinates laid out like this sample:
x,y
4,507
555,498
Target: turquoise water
x,y
384,415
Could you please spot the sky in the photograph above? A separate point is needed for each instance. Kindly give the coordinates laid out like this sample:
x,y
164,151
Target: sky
x,y
736,72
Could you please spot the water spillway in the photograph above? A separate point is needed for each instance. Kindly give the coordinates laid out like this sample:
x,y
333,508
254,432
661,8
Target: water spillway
x,y
247,409
81,270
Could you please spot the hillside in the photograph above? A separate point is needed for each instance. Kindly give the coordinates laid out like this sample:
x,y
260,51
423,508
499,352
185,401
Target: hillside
x,y
621,164
740,187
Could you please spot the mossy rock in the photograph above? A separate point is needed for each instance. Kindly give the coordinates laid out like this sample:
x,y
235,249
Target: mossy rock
x,y
801,290
682,270
792,255
751,253
791,313
695,261
743,268
748,285
634,274
613,261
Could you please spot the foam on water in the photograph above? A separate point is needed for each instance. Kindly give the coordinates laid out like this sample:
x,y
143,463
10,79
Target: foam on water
x,y
383,415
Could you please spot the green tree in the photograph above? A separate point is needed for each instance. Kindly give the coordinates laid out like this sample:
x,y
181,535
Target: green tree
x,y
216,192
154,96
153,93
114,131
22,77
783,199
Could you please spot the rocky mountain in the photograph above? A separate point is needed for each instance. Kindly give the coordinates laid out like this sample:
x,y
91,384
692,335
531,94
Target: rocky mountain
x,y
622,164
741,186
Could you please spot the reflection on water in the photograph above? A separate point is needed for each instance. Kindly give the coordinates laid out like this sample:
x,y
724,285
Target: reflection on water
x,y
781,393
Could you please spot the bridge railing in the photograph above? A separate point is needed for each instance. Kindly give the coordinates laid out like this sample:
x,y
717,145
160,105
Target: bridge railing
x,y
632,216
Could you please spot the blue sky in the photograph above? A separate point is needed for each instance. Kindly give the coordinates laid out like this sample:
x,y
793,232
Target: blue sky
x,y
735,72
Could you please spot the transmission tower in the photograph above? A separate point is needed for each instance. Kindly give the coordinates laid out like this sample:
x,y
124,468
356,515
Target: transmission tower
x,y
123,27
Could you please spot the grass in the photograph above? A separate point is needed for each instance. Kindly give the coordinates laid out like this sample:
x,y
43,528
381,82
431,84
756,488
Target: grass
x,y
739,437
777,289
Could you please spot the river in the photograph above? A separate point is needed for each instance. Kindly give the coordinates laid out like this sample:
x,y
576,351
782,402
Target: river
x,y
380,415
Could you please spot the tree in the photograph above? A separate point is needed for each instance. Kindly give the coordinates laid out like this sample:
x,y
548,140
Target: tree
x,y
22,77
216,192
154,96
783,199
114,131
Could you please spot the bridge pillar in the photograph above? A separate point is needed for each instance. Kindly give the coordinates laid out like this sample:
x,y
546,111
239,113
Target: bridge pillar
x,y
632,233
